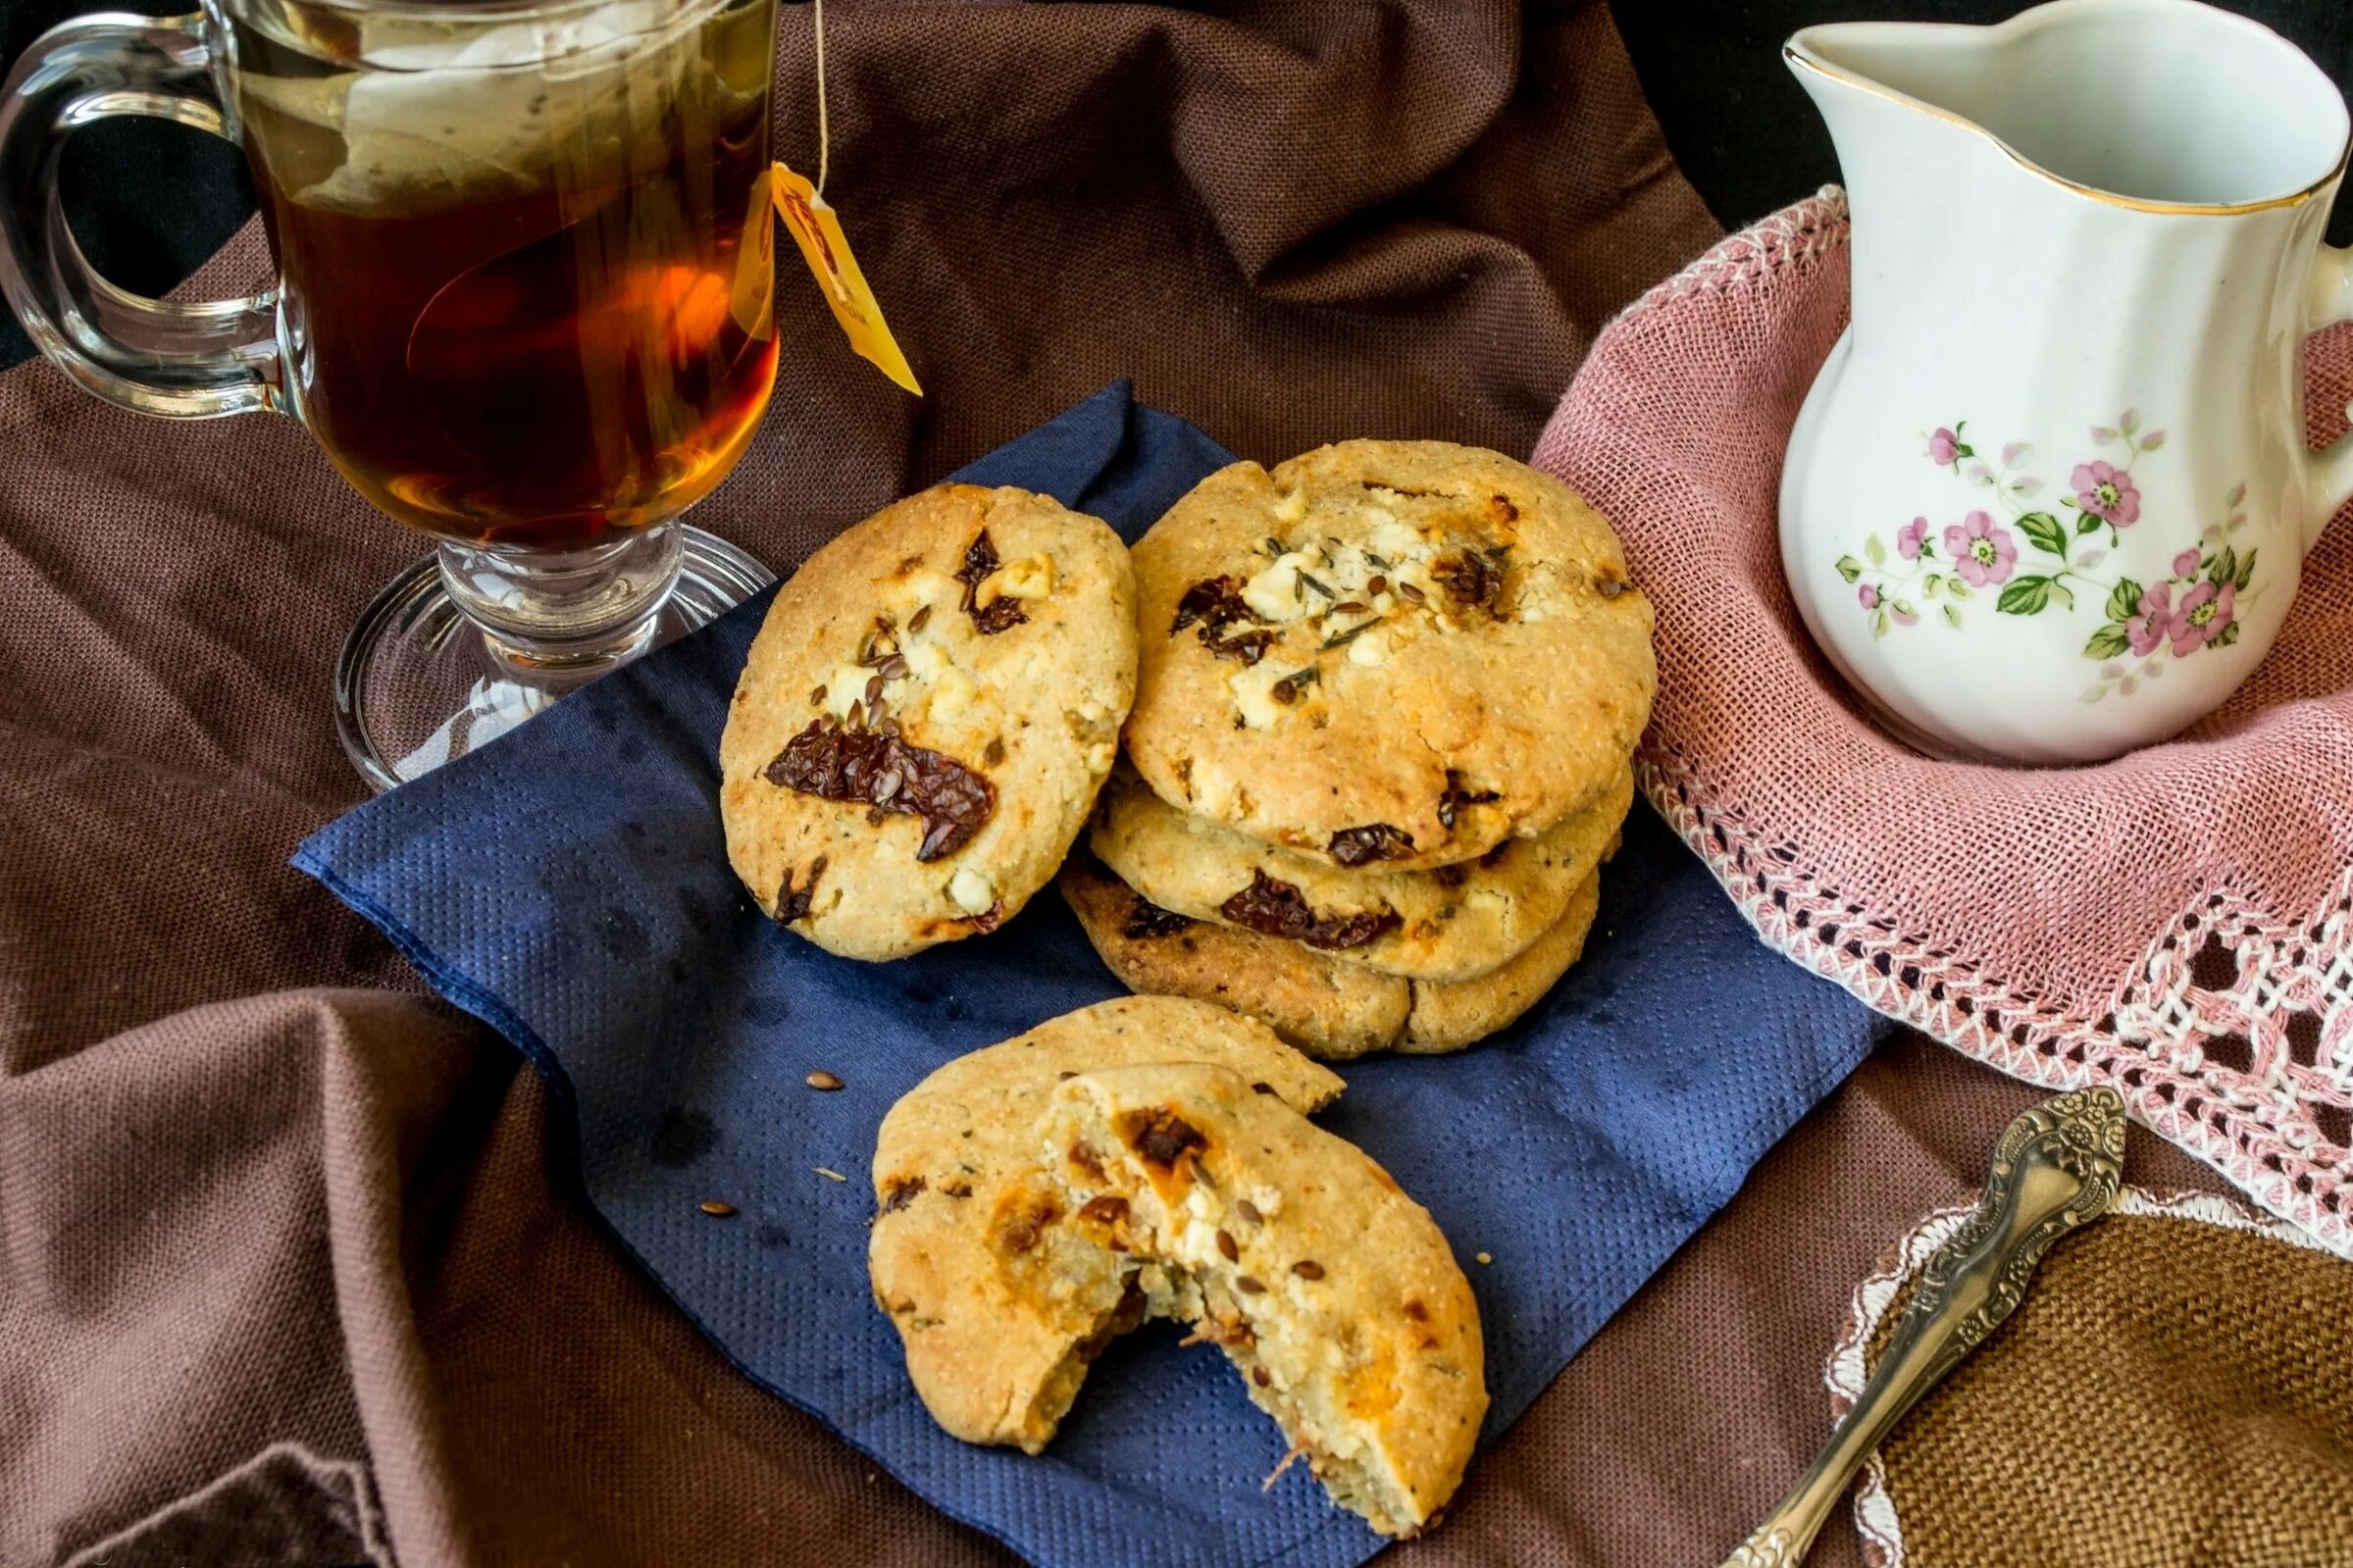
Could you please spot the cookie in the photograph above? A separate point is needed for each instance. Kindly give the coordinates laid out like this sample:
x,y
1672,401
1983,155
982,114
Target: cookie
x,y
1330,1010
1449,1017
1398,651
1334,1293
1452,924
1000,1304
925,718
1327,1009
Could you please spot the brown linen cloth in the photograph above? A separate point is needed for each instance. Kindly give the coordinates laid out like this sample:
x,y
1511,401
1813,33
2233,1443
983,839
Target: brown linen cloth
x,y
2171,1393
277,1234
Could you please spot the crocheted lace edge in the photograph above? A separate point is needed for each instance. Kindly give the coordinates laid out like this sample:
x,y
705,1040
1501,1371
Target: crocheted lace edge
x,y
2156,1042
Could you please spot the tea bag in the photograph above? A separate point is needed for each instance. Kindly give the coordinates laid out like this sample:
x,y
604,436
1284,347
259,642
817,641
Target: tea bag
x,y
817,229
445,114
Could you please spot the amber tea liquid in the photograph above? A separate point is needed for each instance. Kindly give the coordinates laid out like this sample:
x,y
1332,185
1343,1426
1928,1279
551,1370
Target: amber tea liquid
x,y
526,302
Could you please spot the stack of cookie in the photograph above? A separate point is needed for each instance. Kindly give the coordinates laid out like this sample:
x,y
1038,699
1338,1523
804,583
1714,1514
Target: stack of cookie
x,y
1385,704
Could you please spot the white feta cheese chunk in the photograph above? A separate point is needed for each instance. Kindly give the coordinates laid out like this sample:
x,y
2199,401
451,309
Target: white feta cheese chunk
x,y
971,892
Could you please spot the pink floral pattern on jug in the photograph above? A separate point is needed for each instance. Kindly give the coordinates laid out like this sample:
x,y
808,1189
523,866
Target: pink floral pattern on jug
x,y
2036,559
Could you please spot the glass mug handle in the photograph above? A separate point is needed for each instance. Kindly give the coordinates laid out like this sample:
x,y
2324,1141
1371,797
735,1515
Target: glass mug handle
x,y
183,361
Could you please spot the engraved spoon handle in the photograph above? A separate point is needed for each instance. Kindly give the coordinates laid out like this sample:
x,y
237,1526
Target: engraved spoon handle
x,y
2055,1168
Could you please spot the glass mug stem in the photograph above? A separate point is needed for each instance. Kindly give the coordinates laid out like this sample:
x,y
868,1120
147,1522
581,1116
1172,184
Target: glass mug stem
x,y
570,610
524,302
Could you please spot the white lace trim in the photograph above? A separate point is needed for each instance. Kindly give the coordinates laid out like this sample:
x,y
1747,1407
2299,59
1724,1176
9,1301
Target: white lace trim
x,y
2253,1076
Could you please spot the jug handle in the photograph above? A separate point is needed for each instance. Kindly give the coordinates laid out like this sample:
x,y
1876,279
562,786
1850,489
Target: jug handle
x,y
2329,301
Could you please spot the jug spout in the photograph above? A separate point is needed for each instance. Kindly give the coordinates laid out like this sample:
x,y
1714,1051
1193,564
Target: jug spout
x,y
1905,67
2151,106
1902,159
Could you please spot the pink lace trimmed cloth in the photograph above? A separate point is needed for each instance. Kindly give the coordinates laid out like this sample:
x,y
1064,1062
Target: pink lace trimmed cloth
x,y
2176,923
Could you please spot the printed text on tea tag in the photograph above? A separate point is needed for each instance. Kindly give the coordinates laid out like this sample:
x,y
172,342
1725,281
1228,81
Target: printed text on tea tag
x,y
823,245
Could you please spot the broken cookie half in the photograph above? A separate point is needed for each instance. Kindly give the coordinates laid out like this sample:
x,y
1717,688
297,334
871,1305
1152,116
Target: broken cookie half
x,y
1000,1294
1151,1157
1334,1293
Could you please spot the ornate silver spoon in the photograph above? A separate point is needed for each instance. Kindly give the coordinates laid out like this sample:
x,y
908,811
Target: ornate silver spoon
x,y
2055,1168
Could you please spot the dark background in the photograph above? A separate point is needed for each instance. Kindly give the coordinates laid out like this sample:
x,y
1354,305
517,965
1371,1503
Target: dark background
x,y
150,201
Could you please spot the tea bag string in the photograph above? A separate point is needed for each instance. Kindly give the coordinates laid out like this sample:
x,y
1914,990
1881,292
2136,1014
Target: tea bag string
x,y
825,139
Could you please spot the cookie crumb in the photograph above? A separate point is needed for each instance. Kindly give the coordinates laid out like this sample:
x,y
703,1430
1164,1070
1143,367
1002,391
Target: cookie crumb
x,y
1484,1257
822,1080
1289,1459
716,1209
836,1175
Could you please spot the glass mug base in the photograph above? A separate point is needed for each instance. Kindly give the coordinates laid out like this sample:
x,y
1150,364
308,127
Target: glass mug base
x,y
427,676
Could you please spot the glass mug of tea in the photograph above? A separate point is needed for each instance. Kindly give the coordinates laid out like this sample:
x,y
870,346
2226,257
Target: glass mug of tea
x,y
524,304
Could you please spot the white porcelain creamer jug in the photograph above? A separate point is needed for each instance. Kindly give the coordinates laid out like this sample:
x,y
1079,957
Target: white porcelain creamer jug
x,y
2049,497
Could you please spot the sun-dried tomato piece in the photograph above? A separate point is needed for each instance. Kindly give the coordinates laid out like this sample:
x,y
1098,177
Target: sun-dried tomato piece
x,y
1454,797
1471,577
1216,603
1148,919
1162,1135
1375,840
794,902
1248,646
1024,1230
834,762
1279,909
980,564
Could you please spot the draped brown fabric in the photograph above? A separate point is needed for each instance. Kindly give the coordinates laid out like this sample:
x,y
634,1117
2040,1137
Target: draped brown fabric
x,y
284,1274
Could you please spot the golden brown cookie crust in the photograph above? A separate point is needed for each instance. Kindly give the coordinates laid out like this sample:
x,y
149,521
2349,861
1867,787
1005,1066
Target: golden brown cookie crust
x,y
1332,1011
996,632
1328,1009
973,1256
1448,1017
1455,923
1395,650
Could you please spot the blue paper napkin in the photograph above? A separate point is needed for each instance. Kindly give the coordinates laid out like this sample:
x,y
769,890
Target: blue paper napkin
x,y
568,885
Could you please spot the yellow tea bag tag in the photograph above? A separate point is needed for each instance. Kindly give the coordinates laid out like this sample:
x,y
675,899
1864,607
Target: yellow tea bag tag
x,y
748,301
823,245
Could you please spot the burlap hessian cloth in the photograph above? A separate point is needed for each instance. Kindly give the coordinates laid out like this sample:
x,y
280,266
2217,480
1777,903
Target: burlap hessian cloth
x,y
279,1238
2176,1390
